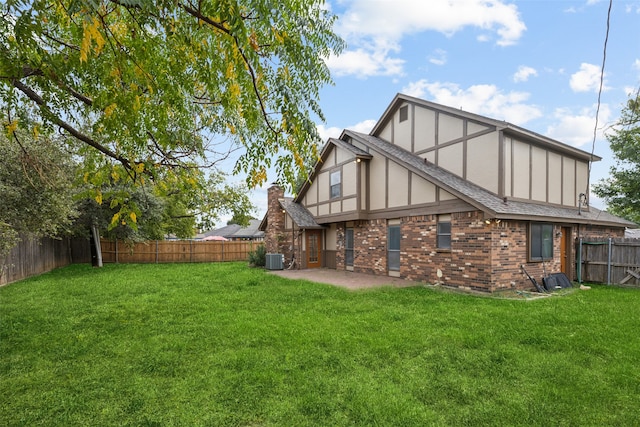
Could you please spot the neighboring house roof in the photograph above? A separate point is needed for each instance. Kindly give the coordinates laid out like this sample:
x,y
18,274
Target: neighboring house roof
x,y
235,231
251,231
490,203
223,231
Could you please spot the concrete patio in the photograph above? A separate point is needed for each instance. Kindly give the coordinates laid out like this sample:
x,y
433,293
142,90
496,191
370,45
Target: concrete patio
x,y
345,279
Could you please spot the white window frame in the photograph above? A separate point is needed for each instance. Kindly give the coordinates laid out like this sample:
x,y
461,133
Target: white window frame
x,y
335,184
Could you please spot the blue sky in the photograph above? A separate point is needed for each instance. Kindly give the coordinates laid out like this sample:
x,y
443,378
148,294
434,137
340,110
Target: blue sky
x,y
533,63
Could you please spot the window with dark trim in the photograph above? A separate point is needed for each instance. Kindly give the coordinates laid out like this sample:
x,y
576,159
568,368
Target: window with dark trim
x,y
540,241
444,232
404,113
335,180
393,248
348,247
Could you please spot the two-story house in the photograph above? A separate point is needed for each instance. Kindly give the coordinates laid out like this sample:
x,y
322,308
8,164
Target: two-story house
x,y
437,194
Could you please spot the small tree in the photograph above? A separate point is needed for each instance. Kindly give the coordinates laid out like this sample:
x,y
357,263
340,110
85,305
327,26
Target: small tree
x,y
621,191
258,258
122,210
36,187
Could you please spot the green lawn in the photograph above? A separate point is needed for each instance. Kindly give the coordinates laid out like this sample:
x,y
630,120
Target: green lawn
x,y
222,344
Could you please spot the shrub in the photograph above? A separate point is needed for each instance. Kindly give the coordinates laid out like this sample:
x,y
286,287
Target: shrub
x,y
258,257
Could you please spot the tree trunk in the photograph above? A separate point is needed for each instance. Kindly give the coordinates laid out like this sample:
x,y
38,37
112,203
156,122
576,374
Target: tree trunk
x,y
96,249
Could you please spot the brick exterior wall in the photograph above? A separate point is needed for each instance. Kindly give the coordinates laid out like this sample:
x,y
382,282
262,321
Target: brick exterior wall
x,y
278,240
370,247
509,251
591,231
485,257
340,265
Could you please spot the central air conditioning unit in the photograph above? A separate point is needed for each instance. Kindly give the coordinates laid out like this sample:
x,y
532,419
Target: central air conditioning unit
x,y
274,261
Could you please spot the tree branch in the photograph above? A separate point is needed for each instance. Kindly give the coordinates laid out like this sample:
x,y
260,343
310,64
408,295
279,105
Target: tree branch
x,y
32,95
197,14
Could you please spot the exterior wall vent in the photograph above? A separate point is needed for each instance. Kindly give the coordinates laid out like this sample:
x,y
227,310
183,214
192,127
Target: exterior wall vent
x,y
404,113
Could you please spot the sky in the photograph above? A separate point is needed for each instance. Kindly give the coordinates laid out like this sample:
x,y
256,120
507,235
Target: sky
x,y
534,63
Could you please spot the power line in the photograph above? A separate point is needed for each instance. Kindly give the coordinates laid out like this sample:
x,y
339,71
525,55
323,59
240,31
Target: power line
x,y
604,60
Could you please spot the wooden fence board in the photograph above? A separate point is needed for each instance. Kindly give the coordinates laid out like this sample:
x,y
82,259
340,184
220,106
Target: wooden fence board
x,y
607,261
36,256
31,257
179,251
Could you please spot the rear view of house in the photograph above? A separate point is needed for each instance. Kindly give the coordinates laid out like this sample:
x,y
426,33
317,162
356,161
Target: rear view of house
x,y
436,194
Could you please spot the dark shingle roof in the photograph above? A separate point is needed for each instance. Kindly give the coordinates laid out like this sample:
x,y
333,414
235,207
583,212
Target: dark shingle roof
x,y
300,215
223,231
252,230
483,199
349,147
236,231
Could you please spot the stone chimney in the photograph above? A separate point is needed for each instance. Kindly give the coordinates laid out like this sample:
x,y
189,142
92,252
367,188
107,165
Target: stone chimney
x,y
275,219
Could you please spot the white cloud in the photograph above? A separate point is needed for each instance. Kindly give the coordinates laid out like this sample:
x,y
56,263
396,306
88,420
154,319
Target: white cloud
x,y
328,132
587,79
364,126
390,20
439,57
523,73
487,100
636,65
375,29
576,129
362,64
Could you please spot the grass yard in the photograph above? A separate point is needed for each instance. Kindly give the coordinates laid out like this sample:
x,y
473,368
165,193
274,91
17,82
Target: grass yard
x,y
222,344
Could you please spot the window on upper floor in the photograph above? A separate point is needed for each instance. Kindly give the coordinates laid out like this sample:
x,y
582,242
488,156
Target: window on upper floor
x,y
335,180
540,241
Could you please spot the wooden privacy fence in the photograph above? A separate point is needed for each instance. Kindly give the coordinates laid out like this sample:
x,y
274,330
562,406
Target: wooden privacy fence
x,y
164,251
613,260
31,257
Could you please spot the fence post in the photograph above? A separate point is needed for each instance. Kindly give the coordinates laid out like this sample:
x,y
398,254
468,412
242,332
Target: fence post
x,y
579,266
157,252
609,263
116,250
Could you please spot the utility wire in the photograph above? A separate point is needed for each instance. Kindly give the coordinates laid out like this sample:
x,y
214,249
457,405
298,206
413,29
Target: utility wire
x,y
604,60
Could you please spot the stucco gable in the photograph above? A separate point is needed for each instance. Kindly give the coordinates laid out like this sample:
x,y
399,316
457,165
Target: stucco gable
x,y
479,124
491,204
334,152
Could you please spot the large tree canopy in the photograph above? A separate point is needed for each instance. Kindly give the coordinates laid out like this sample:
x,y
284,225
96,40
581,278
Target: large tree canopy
x,y
160,88
621,191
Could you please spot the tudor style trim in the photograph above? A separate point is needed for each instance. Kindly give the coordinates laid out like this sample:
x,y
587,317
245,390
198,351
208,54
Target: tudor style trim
x,y
499,180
